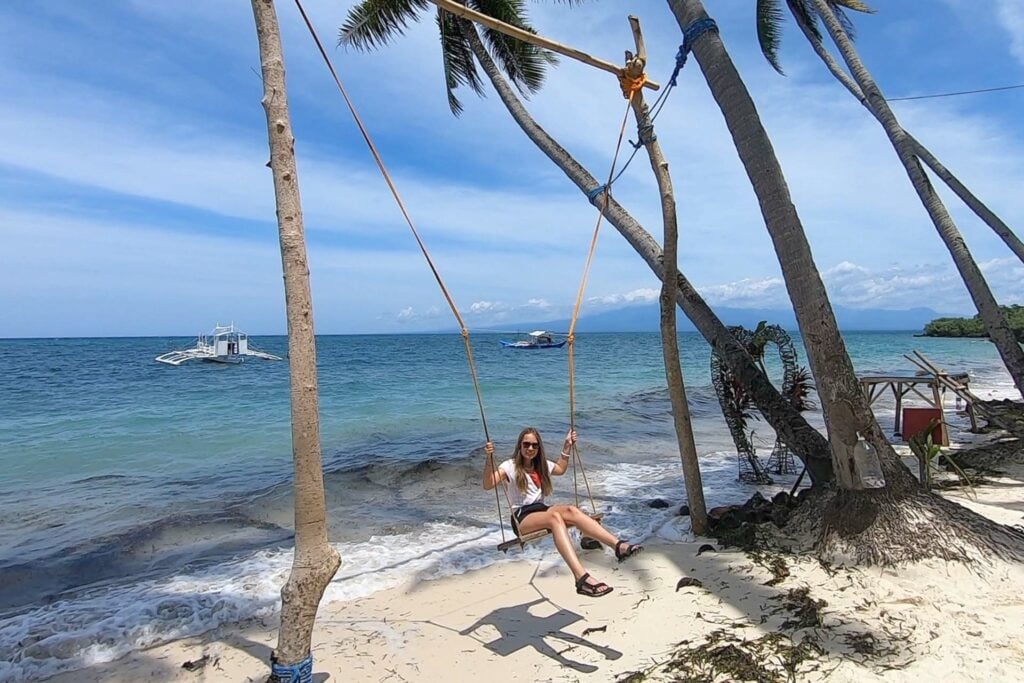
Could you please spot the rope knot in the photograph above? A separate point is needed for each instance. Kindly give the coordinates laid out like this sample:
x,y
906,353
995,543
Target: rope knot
x,y
644,136
690,35
631,85
595,193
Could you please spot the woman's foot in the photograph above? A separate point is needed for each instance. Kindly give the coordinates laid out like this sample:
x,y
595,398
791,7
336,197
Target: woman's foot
x,y
585,585
624,549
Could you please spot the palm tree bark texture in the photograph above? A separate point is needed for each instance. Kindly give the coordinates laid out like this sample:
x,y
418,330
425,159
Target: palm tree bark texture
x,y
315,561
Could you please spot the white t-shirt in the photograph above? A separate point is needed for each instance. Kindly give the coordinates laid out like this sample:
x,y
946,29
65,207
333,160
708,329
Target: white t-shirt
x,y
518,498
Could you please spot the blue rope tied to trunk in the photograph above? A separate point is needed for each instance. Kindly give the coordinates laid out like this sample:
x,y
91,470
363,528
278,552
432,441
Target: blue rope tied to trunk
x,y
293,673
690,35
595,193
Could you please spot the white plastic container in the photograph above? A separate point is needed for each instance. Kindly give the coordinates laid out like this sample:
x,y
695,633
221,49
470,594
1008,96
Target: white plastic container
x,y
869,467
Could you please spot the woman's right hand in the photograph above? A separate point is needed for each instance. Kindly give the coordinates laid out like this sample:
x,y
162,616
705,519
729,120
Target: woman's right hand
x,y
492,475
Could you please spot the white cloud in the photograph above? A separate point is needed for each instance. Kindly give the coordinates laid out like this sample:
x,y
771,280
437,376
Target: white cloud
x,y
1011,16
157,152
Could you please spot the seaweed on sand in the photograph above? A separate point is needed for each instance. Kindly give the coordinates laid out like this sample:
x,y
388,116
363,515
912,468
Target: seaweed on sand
x,y
725,656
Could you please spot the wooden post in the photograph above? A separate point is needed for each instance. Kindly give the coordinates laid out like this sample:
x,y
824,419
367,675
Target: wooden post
x,y
532,38
898,392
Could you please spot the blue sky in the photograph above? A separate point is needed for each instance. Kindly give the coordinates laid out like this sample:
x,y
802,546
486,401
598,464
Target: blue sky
x,y
134,197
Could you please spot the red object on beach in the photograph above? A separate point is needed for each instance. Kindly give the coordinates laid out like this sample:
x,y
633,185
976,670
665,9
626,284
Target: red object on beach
x,y
915,420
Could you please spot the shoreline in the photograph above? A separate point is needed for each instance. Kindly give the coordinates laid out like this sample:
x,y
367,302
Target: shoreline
x,y
524,619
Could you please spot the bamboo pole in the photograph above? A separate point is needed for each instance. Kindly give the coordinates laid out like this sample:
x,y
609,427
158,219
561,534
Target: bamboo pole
x,y
532,38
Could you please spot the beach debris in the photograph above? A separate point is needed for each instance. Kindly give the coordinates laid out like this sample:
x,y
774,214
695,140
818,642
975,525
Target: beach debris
x,y
774,563
728,656
806,610
658,503
594,629
588,543
688,581
707,547
197,664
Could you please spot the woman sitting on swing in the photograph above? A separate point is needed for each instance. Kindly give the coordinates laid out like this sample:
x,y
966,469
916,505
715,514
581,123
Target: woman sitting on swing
x,y
530,473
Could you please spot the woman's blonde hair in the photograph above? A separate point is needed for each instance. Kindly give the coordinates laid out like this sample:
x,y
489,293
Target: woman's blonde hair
x,y
540,463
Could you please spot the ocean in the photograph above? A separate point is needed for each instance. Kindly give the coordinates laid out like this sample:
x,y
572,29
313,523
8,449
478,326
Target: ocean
x,y
141,502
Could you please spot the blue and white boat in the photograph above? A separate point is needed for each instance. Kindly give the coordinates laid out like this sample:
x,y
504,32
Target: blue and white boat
x,y
226,344
538,339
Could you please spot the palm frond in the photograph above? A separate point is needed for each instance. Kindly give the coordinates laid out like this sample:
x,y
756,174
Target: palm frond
x,y
805,15
769,31
855,5
848,28
523,63
457,57
372,23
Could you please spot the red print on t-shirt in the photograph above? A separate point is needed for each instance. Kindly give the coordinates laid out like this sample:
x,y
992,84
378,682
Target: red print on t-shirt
x,y
535,476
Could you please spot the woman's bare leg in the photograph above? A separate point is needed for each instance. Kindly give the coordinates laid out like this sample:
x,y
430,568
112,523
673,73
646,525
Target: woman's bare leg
x,y
588,526
554,523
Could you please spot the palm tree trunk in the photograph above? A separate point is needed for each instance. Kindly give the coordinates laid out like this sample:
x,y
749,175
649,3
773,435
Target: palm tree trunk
x,y
805,440
976,205
843,403
669,337
315,561
995,321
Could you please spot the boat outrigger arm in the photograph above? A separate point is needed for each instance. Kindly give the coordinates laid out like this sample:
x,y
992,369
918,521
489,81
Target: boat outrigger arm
x,y
224,345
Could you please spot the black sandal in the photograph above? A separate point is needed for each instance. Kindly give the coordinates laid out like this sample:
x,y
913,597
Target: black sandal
x,y
593,590
631,549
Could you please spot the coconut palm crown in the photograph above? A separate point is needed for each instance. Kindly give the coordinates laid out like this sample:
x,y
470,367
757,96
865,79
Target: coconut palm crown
x,y
372,23
770,19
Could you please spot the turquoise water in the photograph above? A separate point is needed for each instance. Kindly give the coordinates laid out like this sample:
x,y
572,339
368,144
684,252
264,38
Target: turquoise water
x,y
141,502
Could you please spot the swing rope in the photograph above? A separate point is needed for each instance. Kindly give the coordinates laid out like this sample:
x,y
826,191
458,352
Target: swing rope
x,y
630,86
408,219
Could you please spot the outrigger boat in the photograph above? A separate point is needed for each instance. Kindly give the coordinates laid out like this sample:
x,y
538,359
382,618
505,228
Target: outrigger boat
x,y
539,339
224,345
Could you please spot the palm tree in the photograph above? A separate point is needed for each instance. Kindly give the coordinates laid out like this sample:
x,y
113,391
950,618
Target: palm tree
x,y
867,91
901,521
373,23
315,561
769,29
845,409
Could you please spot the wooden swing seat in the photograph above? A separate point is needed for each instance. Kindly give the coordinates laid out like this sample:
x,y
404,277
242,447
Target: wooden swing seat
x,y
521,541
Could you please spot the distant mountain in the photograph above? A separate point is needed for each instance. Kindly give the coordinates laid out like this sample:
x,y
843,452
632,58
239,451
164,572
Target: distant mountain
x,y
646,318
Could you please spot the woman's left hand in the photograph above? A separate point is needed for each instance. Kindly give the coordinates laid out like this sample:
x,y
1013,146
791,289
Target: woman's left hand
x,y
570,439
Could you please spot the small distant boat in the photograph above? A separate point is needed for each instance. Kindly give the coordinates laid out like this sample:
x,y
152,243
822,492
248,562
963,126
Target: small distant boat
x,y
224,345
538,339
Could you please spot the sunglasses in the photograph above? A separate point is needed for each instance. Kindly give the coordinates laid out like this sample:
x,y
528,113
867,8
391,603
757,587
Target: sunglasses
x,y
530,444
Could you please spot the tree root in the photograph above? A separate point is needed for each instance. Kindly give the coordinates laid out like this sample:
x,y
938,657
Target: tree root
x,y
886,528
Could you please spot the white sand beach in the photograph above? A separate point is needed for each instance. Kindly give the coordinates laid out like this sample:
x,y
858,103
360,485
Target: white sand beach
x,y
523,621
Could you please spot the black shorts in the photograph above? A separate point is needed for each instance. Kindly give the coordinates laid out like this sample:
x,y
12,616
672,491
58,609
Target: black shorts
x,y
519,514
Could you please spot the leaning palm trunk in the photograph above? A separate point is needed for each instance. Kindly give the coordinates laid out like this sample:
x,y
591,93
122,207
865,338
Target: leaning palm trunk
x,y
976,205
669,336
315,560
897,523
995,321
843,403
809,445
